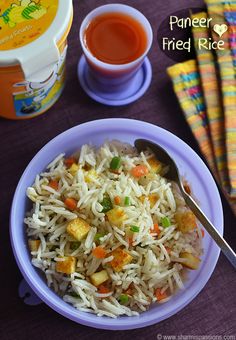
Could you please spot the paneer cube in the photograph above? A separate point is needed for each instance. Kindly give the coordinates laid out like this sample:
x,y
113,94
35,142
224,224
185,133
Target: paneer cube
x,y
116,216
90,176
186,221
190,261
67,266
154,164
142,198
153,198
121,258
34,245
73,169
99,277
78,228
147,179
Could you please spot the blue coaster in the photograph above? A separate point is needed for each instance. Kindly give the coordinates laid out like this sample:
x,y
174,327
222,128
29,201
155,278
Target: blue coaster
x,y
137,88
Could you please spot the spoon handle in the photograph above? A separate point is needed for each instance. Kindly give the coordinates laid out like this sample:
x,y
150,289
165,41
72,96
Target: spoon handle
x,y
213,232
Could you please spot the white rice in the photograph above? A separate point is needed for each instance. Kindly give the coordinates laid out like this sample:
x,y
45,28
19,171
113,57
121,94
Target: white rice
x,y
153,266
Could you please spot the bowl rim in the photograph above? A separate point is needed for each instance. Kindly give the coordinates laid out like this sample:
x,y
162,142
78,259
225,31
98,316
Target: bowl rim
x,y
121,323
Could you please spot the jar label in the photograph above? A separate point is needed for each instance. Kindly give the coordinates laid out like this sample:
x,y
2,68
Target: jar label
x,y
23,21
32,98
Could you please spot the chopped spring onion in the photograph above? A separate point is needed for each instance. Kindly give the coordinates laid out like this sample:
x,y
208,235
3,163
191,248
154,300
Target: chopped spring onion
x,y
98,236
134,229
127,201
165,221
123,298
115,163
107,204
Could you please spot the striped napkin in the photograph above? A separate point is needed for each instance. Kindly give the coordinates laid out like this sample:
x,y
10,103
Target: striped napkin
x,y
187,85
206,90
223,12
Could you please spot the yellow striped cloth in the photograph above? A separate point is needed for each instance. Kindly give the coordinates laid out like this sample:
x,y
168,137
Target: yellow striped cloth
x,y
212,96
187,85
223,13
213,122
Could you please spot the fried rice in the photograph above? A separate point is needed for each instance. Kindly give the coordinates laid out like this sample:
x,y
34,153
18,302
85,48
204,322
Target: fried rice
x,y
109,239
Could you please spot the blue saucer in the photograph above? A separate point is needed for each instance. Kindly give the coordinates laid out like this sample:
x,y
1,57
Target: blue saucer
x,y
138,87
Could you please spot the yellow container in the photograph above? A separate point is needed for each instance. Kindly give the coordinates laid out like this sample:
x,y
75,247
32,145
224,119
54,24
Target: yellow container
x,y
33,45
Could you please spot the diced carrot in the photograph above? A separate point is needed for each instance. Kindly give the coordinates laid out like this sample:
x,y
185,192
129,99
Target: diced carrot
x,y
159,295
69,161
203,232
99,253
155,229
103,289
53,184
70,203
117,200
139,171
128,291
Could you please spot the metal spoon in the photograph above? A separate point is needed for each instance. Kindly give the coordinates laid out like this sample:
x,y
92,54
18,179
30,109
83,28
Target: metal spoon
x,y
173,175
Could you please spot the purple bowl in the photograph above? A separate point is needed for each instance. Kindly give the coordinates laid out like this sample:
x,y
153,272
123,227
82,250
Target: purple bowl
x,y
191,167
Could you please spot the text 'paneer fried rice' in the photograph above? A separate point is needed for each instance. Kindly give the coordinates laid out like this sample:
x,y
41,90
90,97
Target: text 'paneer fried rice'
x,y
111,234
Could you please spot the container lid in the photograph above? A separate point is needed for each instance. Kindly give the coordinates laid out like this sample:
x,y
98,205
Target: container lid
x,y
29,32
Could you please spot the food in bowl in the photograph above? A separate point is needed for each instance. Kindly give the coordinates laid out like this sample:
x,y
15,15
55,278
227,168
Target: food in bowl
x,y
110,232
